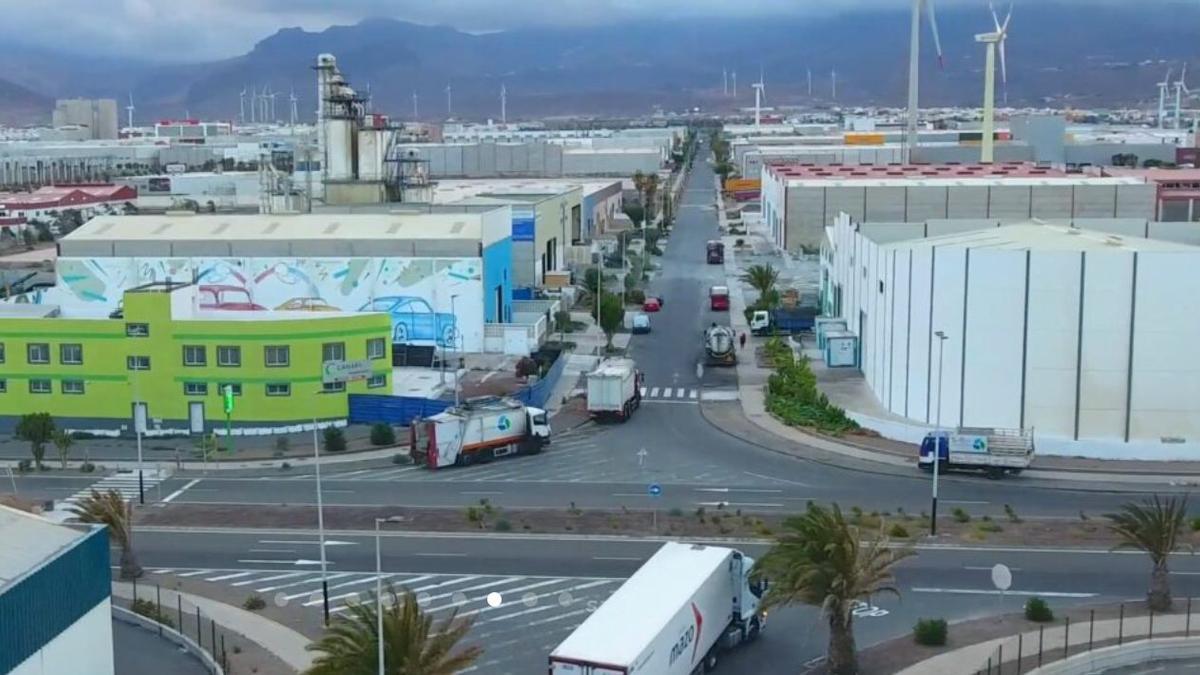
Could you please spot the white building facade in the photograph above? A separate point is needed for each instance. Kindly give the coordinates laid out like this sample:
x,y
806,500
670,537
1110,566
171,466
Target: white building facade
x,y
1086,338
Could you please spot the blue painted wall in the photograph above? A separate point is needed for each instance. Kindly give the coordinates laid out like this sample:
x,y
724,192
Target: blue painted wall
x,y
497,271
37,608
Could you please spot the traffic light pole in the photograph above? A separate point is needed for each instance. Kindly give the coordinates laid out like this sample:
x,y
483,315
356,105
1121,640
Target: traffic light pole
x,y
228,417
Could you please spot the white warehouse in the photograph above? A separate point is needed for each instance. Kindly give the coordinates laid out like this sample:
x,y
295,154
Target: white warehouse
x,y
1087,338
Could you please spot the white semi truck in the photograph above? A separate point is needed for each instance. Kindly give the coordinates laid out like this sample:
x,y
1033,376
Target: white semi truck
x,y
614,389
478,430
674,616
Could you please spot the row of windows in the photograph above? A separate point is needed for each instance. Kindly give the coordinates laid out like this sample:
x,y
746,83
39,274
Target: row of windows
x,y
41,386
228,356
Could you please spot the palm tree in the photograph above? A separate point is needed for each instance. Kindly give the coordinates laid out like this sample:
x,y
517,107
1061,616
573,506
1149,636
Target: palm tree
x,y
820,559
111,509
413,644
650,188
761,278
1153,526
63,442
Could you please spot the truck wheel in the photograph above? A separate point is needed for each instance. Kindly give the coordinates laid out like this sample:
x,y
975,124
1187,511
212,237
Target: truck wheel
x,y
995,473
710,661
753,631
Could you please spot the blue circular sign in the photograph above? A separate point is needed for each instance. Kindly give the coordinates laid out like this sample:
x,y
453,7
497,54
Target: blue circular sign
x,y
504,424
655,490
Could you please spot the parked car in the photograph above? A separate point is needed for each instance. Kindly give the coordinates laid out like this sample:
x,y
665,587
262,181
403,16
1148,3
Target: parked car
x,y
413,320
308,305
640,323
224,297
652,304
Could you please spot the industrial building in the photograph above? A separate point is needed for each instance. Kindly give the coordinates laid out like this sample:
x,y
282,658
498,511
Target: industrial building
x,y
98,116
440,276
535,159
1178,190
799,202
1087,338
55,597
165,357
210,190
48,202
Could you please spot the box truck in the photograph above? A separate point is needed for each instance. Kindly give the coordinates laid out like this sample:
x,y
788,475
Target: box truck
x,y
674,616
992,451
614,389
478,430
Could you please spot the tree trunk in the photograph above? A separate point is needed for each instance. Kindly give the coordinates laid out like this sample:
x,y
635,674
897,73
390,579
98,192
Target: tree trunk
x,y
842,658
130,569
1159,595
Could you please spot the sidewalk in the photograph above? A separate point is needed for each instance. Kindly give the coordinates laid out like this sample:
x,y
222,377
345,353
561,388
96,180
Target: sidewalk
x,y
279,640
104,465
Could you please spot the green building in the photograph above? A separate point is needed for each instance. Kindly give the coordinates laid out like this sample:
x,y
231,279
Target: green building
x,y
162,358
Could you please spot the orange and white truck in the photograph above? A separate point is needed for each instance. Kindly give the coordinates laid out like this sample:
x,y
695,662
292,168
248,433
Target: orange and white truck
x,y
478,430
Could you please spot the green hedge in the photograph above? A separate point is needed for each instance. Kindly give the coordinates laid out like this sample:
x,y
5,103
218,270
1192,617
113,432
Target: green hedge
x,y
793,397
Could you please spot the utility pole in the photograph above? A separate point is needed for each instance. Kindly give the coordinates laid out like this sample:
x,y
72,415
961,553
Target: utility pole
x,y
937,435
416,115
503,104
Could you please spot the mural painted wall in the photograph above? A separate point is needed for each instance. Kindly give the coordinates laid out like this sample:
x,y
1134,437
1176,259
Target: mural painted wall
x,y
416,292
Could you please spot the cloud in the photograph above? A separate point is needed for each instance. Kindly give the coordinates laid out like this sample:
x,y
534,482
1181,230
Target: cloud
x,y
197,30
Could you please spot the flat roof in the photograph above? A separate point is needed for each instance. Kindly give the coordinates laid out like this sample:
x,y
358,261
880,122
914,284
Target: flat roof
x,y
917,171
518,185
505,191
280,227
1039,236
618,630
29,541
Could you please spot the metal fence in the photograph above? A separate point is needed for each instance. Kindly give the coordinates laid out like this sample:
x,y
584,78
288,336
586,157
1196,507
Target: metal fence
x,y
1083,630
190,628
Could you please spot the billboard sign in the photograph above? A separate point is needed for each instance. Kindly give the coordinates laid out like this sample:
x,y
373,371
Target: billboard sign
x,y
345,371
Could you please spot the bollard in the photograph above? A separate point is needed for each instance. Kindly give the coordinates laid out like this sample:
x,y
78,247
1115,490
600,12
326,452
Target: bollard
x,y
213,624
1151,635
1121,625
224,656
1067,637
1020,650
135,597
989,670
179,611
158,601
1041,635
1187,627
1091,629
1000,660
199,630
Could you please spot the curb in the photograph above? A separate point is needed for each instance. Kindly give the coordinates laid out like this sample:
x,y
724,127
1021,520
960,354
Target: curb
x,y
231,464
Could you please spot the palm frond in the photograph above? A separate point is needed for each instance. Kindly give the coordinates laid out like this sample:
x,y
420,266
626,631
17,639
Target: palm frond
x,y
1153,525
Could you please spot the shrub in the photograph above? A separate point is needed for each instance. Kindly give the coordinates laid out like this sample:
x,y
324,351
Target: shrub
x,y
898,531
1195,524
635,296
930,632
254,603
793,397
399,458
1012,515
286,466
503,526
335,440
25,465
151,611
382,434
282,445
675,512
1036,609
960,515
87,467
989,527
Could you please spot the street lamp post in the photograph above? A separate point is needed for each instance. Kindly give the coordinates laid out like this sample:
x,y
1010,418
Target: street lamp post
x,y
379,588
320,520
453,341
937,435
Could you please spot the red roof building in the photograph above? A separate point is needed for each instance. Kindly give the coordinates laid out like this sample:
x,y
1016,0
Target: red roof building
x,y
59,197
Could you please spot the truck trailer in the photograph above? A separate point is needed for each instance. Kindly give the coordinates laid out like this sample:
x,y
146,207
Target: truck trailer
x,y
782,321
614,389
993,451
478,430
674,616
720,348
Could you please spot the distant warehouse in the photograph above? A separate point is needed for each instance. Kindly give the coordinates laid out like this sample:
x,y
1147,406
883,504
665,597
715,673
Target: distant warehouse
x,y
1087,338
800,201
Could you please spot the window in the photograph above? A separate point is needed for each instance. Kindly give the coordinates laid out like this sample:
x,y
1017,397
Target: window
x,y
72,386
71,355
229,357
376,348
195,355
137,362
137,330
279,389
333,387
276,356
1,352
195,388
376,381
333,351
39,386
3,386
237,388
38,352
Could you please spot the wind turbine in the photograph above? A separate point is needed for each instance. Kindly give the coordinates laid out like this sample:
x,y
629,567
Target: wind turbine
x,y
449,102
1162,98
914,55
1180,89
242,105
368,101
129,111
759,90
808,74
416,113
724,81
272,96
294,115
733,76
503,104
833,84
992,39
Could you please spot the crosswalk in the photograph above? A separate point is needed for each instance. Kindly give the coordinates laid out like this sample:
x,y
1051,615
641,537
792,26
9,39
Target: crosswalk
x,y
552,606
124,482
670,393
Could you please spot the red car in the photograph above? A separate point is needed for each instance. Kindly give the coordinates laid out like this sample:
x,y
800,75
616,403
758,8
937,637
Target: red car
x,y
652,304
224,297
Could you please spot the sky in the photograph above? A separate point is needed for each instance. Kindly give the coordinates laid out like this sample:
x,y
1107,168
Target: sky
x,y
201,30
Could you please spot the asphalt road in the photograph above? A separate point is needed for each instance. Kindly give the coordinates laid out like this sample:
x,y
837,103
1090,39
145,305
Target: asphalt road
x,y
533,574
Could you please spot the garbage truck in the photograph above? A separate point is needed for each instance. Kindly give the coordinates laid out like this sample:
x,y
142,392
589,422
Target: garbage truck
x,y
614,389
995,452
478,430
720,347
676,615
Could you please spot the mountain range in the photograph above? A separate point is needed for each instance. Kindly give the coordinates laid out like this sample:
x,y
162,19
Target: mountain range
x,y
1059,55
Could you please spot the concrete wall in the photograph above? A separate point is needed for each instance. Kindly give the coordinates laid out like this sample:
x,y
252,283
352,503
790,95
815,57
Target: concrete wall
x,y
1078,346
85,648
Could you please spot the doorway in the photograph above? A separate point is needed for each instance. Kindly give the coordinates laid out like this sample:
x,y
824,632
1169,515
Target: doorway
x,y
196,417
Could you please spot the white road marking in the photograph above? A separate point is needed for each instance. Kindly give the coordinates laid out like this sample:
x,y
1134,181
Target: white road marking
x,y
194,573
989,591
755,490
274,577
781,480
981,568
235,575
615,557
273,550
746,504
667,392
694,394
654,392
171,497
441,555
962,501
643,392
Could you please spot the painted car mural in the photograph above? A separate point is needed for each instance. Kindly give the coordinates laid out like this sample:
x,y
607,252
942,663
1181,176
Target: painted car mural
x,y
233,298
413,320
307,305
